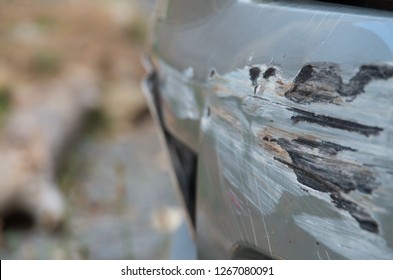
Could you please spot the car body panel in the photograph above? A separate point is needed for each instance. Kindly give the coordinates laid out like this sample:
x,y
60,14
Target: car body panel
x,y
288,106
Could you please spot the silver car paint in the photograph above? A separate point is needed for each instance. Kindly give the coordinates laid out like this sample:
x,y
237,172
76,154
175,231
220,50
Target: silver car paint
x,y
297,164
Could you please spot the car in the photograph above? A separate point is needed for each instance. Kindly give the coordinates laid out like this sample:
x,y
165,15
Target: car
x,y
278,119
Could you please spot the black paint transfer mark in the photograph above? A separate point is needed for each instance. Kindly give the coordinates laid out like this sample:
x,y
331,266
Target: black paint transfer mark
x,y
327,173
254,72
304,75
364,219
366,74
322,82
315,83
324,147
212,73
269,73
322,171
304,116
305,190
263,99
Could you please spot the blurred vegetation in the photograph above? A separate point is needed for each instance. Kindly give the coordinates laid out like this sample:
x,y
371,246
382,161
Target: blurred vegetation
x,y
73,166
45,62
135,30
69,170
96,122
42,41
46,21
5,102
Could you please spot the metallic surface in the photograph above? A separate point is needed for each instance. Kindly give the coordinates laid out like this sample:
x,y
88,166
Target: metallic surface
x,y
288,106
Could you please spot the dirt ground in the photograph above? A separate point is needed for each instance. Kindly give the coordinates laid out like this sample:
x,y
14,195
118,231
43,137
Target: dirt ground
x,y
119,202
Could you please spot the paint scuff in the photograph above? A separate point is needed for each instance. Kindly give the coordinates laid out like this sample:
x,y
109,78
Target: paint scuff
x,y
323,82
316,166
326,121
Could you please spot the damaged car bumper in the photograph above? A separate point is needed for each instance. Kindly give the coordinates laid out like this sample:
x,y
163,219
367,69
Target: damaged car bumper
x,y
278,119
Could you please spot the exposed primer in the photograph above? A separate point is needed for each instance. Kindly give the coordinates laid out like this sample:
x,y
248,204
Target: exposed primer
x,y
322,82
344,237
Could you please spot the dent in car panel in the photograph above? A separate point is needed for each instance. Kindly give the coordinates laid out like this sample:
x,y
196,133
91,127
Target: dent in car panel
x,y
180,106
175,89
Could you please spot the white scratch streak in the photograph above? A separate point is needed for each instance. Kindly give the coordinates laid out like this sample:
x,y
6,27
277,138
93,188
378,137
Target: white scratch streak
x,y
334,27
253,231
327,254
267,236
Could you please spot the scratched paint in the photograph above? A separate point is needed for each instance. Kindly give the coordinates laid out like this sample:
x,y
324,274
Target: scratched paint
x,y
344,237
326,173
322,82
308,135
240,158
324,116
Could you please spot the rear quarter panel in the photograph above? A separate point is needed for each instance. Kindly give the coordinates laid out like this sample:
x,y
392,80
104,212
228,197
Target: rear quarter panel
x,y
289,108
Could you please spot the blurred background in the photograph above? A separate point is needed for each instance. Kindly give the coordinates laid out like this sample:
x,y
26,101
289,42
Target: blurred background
x,y
83,175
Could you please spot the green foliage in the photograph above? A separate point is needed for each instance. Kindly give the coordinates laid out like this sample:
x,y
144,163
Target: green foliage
x,y
45,21
136,30
73,165
96,122
45,62
5,102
